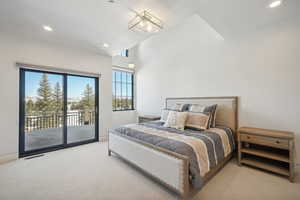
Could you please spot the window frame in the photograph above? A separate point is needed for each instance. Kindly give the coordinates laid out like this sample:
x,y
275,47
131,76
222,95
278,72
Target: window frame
x,y
124,53
121,83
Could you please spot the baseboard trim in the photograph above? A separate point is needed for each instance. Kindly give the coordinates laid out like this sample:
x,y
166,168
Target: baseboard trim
x,y
8,158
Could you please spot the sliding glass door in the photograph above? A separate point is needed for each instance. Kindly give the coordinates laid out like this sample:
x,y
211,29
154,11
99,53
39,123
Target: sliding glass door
x,y
43,115
57,110
81,109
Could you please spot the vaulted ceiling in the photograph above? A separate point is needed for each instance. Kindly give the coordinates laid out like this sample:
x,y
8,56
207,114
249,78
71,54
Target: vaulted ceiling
x,y
88,24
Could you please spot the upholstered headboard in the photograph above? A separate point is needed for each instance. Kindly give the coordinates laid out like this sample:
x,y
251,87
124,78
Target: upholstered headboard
x,y
227,109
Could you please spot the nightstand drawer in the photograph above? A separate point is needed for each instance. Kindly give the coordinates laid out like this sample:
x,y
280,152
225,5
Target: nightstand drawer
x,y
268,141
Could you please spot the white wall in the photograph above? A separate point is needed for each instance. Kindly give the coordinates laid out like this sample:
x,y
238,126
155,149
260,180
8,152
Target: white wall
x,y
120,118
262,68
14,50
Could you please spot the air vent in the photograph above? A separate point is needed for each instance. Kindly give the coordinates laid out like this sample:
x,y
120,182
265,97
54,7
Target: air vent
x,y
35,156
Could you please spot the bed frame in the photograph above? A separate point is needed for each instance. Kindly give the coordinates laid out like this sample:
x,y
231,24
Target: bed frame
x,y
169,168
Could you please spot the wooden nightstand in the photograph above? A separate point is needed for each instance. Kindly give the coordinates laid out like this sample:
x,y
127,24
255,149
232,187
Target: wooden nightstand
x,y
267,149
148,118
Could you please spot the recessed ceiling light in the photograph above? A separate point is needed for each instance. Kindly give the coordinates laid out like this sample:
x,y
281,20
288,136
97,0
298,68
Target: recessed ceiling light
x,y
131,65
275,4
105,45
47,28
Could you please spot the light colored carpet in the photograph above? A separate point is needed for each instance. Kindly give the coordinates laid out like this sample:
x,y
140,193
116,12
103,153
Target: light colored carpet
x,y
87,173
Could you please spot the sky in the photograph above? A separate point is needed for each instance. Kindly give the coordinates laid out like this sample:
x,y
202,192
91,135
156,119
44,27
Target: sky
x,y
76,84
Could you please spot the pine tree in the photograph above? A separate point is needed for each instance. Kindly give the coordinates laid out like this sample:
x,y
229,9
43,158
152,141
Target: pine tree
x,y
57,97
29,107
88,100
114,105
44,100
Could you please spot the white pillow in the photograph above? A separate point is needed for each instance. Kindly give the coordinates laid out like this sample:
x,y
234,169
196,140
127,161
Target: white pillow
x,y
164,115
176,120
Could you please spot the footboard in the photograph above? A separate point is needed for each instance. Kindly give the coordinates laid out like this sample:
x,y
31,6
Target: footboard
x,y
169,168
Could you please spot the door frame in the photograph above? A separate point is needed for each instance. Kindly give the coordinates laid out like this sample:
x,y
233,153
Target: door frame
x,y
22,152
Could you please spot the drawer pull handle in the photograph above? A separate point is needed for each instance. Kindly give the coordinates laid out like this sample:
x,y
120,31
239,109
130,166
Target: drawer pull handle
x,y
277,142
248,137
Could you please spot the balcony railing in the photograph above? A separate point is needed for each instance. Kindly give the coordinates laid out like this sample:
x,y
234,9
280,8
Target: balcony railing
x,y
55,120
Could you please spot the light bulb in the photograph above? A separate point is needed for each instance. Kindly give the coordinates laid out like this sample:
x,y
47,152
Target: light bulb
x,y
149,27
142,24
275,4
47,28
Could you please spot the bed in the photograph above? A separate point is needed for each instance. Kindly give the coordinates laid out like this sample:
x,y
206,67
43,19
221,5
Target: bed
x,y
182,160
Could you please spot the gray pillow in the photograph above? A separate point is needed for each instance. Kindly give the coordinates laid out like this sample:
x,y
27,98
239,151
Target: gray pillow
x,y
180,107
208,109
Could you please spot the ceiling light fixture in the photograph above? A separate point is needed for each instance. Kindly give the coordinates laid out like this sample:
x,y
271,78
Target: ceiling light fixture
x,y
275,4
105,45
131,65
47,28
145,22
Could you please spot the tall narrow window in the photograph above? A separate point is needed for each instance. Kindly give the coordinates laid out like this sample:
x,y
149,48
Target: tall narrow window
x,y
124,53
122,90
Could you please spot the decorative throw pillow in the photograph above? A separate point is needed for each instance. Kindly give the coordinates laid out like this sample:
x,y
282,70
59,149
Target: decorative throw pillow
x,y
176,120
180,107
197,120
213,121
208,109
164,115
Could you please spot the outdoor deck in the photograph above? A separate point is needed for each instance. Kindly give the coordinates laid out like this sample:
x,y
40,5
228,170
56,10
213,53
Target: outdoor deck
x,y
38,139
